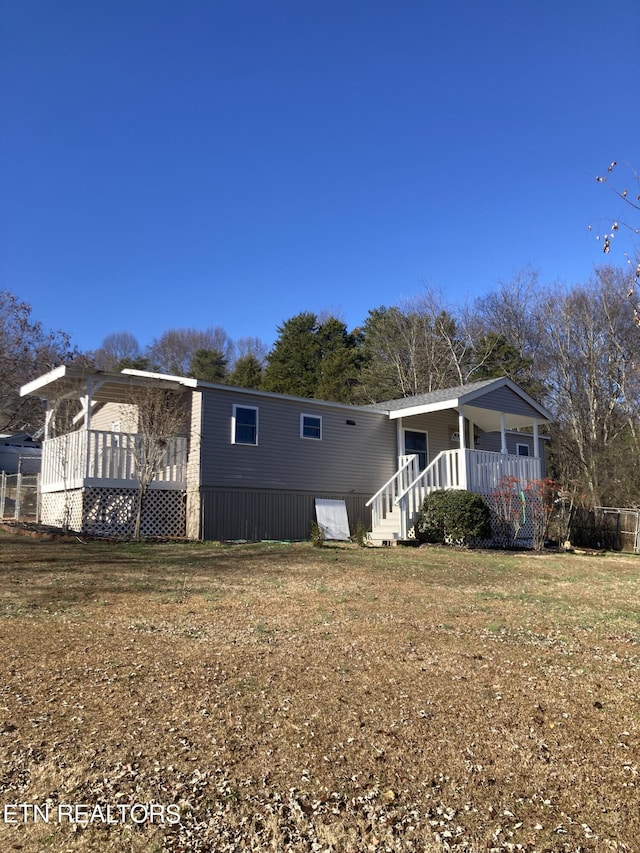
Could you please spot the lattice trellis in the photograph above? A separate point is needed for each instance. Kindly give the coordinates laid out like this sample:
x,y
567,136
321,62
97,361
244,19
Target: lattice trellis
x,y
530,524
111,512
62,509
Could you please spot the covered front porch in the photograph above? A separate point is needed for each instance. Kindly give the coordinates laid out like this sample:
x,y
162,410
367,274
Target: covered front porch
x,y
476,437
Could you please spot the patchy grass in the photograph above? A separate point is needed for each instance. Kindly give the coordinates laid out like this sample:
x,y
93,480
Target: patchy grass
x,y
285,697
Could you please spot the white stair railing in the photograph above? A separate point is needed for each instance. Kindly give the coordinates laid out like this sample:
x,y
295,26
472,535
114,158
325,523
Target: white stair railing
x,y
385,500
446,471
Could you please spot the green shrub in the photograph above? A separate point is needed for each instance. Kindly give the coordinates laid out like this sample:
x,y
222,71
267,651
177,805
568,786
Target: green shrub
x,y
453,516
430,524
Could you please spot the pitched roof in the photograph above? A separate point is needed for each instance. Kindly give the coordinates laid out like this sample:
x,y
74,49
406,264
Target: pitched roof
x,y
443,395
475,398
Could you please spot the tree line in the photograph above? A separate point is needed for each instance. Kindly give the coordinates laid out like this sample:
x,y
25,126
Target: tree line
x,y
574,348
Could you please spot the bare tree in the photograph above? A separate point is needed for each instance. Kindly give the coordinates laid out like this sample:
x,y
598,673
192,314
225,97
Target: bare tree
x,y
158,417
625,223
26,350
251,346
414,348
172,352
115,349
589,356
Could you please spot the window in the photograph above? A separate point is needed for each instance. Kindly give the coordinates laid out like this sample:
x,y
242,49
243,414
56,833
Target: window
x,y
522,449
311,427
244,428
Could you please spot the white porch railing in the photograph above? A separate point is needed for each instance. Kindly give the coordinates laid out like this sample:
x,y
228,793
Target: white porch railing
x,y
101,458
478,471
486,469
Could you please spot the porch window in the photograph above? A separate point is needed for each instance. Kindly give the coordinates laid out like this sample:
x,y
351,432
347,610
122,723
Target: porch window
x,y
522,449
244,427
311,427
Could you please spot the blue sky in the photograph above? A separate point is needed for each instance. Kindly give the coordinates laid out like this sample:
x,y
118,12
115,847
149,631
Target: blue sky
x,y
195,163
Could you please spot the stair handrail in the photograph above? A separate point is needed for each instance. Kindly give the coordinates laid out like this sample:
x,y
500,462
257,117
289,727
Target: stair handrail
x,y
384,499
434,476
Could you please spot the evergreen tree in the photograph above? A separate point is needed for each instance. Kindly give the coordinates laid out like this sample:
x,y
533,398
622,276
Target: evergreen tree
x,y
210,365
340,362
496,356
247,373
294,362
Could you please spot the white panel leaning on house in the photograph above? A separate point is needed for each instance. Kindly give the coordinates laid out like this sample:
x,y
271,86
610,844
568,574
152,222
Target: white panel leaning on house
x,y
332,518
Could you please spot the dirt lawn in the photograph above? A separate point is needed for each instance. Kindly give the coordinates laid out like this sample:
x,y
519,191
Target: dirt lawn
x,y
274,697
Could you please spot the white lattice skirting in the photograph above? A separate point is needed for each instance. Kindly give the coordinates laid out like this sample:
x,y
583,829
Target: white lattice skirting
x,y
111,512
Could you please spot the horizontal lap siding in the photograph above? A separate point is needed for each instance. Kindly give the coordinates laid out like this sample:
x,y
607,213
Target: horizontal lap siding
x,y
350,458
257,515
268,491
505,400
438,426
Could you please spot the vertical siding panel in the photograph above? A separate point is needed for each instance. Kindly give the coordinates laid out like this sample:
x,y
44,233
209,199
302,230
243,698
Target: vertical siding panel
x,y
231,515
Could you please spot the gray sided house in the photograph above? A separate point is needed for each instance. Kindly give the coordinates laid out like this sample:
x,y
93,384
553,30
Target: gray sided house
x,y
249,464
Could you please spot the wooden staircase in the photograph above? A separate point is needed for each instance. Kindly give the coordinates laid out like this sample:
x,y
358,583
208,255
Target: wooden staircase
x,y
387,531
395,507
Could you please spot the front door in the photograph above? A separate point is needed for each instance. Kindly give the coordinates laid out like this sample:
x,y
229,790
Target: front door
x,y
416,442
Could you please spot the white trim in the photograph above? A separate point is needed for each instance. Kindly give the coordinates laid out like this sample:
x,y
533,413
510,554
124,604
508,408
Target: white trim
x,y
237,406
520,444
304,415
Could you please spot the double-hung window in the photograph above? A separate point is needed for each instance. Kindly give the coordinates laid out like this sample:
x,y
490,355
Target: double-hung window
x,y
311,426
522,449
244,428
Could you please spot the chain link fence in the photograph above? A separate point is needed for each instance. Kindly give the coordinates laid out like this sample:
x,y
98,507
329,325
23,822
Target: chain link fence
x,y
612,528
19,497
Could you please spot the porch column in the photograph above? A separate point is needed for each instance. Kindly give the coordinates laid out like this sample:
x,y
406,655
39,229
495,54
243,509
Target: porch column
x,y
86,404
503,433
87,425
462,466
399,439
536,443
48,421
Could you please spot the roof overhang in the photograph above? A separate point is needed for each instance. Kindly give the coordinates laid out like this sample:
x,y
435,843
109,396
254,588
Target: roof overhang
x,y
487,417
66,382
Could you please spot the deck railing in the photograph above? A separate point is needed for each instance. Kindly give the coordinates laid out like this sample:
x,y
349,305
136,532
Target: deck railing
x,y
101,458
486,469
